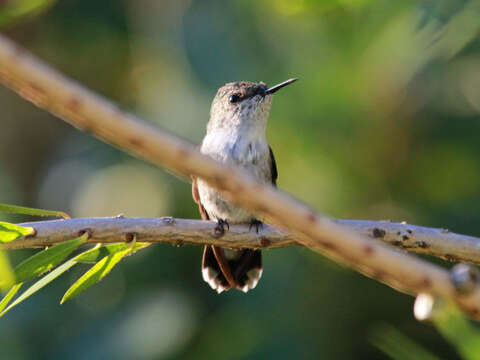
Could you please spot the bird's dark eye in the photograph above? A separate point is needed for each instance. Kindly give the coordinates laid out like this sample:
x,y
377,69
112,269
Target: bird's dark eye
x,y
234,98
261,90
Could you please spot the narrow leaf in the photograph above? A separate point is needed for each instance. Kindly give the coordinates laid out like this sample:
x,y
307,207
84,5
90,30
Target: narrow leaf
x,y
397,345
14,11
7,277
97,253
96,273
46,259
40,284
14,209
11,293
458,330
10,232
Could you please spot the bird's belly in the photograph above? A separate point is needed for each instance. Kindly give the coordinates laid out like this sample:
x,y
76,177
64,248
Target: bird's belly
x,y
217,208
251,156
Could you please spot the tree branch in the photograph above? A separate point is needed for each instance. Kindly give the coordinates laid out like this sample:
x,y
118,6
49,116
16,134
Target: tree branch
x,y
85,110
436,242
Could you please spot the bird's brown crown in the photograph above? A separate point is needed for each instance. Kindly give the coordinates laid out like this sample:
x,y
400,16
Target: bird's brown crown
x,y
241,90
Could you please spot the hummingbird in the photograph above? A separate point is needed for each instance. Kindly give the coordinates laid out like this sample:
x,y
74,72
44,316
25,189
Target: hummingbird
x,y
236,135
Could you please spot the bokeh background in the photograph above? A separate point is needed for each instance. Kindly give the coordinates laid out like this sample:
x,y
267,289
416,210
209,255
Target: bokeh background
x,y
383,124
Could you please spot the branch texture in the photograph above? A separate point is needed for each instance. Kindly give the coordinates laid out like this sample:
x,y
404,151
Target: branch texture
x,y
437,242
85,110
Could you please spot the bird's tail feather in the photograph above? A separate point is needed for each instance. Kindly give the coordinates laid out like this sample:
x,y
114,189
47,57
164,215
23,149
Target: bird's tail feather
x,y
224,269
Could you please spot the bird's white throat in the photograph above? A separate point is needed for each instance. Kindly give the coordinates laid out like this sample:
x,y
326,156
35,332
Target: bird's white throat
x,y
235,145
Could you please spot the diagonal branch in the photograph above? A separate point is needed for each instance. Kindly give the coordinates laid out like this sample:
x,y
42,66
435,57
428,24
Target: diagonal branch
x,y
437,242
85,110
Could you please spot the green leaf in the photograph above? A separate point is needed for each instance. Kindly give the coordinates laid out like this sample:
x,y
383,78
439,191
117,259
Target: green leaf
x,y
397,345
458,330
46,259
97,253
39,284
96,273
10,232
15,10
7,277
14,209
11,293
114,253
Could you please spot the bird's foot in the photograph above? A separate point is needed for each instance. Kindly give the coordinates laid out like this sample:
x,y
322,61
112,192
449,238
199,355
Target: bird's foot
x,y
219,230
257,224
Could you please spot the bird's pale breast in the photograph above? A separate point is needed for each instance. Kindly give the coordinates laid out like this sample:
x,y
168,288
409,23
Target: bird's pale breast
x,y
251,154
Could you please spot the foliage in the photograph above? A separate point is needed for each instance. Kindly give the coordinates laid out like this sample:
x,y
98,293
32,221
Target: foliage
x,y
9,232
7,278
95,274
12,11
49,258
458,330
447,319
14,209
46,259
397,345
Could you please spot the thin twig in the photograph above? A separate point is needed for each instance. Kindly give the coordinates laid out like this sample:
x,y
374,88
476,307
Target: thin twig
x,y
437,242
85,110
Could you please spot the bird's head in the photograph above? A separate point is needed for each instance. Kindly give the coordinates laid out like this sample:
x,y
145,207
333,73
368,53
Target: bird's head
x,y
242,104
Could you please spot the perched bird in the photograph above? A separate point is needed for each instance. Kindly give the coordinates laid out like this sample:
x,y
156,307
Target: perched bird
x,y
236,136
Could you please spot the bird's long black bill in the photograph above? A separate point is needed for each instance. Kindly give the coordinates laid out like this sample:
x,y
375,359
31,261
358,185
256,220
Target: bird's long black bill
x,y
277,87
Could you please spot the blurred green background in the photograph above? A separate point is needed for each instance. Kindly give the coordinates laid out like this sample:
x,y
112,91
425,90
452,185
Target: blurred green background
x,y
383,124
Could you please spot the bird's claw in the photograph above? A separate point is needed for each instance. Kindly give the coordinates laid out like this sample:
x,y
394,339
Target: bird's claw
x,y
220,228
257,223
